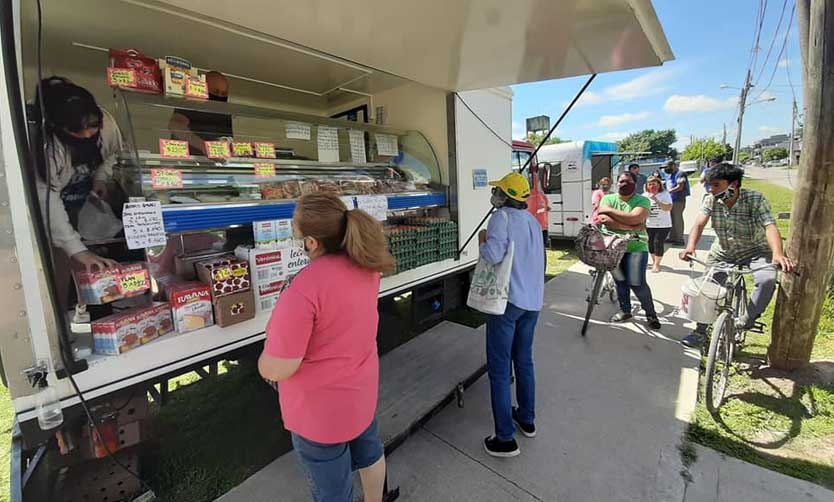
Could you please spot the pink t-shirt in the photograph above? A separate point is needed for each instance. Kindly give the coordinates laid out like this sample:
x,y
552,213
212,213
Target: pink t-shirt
x,y
596,198
328,316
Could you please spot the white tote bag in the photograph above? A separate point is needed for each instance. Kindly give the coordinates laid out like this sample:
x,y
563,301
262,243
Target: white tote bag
x,y
490,288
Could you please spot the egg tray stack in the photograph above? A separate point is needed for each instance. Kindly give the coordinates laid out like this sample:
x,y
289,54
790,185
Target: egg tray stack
x,y
443,233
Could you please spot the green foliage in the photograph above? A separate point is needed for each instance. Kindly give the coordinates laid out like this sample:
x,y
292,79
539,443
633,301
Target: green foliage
x,y
536,138
743,157
706,149
649,140
775,154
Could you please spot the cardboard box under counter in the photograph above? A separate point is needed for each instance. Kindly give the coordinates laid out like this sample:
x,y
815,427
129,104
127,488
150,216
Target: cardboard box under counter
x,y
234,308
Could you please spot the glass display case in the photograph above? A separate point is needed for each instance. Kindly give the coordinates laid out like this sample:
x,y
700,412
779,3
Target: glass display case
x,y
232,164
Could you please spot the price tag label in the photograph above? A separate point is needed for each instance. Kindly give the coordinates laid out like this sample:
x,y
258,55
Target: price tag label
x,y
265,150
264,170
121,77
133,282
196,88
143,224
240,149
166,178
217,150
173,149
239,272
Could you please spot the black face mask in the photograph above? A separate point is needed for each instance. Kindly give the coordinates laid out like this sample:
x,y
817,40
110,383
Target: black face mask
x,y
216,97
82,150
626,190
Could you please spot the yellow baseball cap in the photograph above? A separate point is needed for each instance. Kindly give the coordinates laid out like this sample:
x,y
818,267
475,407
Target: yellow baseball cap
x,y
514,185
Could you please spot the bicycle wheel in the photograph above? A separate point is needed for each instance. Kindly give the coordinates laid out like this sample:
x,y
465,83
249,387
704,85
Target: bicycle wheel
x,y
611,287
719,359
599,276
740,304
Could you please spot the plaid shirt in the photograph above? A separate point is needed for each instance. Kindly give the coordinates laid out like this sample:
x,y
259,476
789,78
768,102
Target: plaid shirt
x,y
740,229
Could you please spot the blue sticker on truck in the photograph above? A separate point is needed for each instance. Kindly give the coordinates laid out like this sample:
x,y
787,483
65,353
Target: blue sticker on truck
x,y
479,179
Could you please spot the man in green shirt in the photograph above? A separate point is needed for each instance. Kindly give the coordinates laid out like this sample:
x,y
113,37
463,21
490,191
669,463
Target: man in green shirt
x,y
625,213
746,235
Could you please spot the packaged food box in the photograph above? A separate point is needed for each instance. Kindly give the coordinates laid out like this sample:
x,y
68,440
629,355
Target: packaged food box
x,y
155,321
265,265
116,334
108,285
273,234
175,72
234,308
267,294
225,275
184,264
191,307
296,260
147,70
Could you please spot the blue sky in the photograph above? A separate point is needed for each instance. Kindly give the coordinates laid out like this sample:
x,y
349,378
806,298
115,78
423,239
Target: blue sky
x,y
711,41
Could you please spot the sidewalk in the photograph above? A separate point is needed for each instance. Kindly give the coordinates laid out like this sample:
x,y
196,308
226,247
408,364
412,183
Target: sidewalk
x,y
612,411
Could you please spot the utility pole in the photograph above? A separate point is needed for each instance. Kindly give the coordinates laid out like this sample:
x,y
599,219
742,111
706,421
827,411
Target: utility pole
x,y
742,100
724,138
800,300
793,132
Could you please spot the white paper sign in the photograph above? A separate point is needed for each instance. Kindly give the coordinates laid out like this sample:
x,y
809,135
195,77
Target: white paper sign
x,y
375,205
349,201
143,224
386,144
357,147
328,140
298,130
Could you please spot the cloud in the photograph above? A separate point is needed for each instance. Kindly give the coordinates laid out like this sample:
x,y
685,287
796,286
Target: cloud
x,y
681,144
653,82
615,120
613,136
770,130
784,62
518,130
700,103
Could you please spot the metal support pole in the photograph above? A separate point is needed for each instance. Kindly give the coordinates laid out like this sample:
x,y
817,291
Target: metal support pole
x,y
742,100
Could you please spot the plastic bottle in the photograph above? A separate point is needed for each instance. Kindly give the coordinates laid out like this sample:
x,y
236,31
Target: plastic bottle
x,y
48,407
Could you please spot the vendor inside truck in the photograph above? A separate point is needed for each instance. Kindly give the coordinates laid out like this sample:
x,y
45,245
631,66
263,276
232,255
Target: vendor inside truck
x,y
75,146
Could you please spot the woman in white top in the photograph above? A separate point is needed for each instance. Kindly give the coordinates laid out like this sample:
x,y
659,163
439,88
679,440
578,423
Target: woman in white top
x,y
660,219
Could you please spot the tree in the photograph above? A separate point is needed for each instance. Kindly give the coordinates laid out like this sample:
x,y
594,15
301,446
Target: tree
x,y
536,138
775,154
743,157
800,299
705,149
648,140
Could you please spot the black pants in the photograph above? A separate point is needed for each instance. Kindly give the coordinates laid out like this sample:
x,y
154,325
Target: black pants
x,y
657,239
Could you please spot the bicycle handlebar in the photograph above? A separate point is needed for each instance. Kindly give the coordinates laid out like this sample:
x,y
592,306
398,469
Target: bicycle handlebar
x,y
726,267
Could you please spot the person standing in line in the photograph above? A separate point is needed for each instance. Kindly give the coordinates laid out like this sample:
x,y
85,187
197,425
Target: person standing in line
x,y
704,180
509,337
603,188
660,219
321,347
634,169
677,185
625,213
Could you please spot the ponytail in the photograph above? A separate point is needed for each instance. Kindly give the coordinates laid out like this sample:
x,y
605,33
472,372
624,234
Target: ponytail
x,y
355,233
365,242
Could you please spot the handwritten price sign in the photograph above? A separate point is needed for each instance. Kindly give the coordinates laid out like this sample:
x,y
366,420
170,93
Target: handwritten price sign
x,y
121,77
264,170
196,88
242,149
265,150
173,149
133,282
166,178
217,150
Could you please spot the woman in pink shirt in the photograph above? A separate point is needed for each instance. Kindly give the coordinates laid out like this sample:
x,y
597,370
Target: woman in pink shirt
x,y
603,187
321,348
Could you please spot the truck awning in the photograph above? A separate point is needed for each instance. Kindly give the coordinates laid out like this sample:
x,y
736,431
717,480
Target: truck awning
x,y
459,44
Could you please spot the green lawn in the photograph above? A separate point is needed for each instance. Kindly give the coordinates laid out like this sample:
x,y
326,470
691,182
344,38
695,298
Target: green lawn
x,y
6,419
780,420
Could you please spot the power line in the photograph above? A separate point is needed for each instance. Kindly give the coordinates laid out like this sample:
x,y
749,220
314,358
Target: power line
x,y
772,41
781,52
754,51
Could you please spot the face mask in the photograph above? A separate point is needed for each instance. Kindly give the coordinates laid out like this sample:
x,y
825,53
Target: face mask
x,y
729,193
653,189
626,190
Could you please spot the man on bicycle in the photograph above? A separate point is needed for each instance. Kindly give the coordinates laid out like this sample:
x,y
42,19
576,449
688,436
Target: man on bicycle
x,y
746,235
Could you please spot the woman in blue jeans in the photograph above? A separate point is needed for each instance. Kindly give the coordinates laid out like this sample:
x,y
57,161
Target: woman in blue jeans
x,y
509,339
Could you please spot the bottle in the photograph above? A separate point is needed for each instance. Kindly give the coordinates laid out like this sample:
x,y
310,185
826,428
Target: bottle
x,y
48,406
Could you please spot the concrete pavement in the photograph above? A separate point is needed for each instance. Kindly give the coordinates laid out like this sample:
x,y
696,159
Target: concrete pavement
x,y
787,178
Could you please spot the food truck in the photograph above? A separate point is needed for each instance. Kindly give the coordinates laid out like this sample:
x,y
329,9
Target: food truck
x,y
400,108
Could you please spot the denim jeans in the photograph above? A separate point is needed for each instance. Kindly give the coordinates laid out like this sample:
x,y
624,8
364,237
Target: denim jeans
x,y
329,467
764,285
631,275
509,344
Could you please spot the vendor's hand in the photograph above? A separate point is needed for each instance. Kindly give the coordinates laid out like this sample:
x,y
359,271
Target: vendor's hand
x,y
100,189
603,219
785,263
482,236
92,261
686,253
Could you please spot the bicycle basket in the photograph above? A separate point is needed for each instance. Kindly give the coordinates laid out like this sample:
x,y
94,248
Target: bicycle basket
x,y
599,250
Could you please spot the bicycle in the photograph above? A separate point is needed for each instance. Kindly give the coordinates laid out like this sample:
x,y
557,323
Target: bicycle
x,y
602,250
726,336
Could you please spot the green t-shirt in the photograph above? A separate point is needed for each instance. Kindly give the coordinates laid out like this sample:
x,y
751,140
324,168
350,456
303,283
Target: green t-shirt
x,y
613,200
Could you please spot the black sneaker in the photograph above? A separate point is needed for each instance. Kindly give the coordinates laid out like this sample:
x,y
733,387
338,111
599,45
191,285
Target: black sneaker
x,y
529,430
621,317
694,340
502,449
654,322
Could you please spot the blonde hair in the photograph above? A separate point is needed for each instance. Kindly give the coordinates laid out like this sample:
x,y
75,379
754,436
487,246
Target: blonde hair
x,y
354,232
655,179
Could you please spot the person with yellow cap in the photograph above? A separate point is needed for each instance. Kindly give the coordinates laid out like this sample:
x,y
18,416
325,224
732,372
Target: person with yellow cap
x,y
510,336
